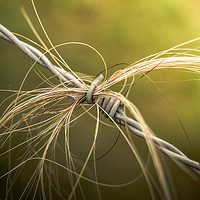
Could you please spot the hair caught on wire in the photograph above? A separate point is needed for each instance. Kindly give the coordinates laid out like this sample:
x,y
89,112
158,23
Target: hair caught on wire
x,y
40,102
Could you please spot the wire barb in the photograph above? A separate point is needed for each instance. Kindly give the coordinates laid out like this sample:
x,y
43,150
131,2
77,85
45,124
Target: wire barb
x,y
109,106
92,88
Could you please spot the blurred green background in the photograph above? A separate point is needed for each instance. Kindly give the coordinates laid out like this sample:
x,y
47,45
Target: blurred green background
x,y
124,32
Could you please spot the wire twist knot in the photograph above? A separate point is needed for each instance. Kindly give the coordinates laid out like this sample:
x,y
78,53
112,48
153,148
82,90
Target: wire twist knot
x,y
109,105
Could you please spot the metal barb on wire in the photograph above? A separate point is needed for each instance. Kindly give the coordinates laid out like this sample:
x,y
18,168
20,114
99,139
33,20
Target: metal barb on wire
x,y
110,106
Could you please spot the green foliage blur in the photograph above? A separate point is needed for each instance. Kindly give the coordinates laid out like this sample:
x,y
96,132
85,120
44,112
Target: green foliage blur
x,y
123,32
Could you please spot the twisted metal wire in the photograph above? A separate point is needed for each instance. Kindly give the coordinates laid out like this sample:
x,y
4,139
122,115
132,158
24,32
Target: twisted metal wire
x,y
109,106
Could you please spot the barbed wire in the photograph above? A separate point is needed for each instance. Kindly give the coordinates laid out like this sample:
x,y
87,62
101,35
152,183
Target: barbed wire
x,y
109,106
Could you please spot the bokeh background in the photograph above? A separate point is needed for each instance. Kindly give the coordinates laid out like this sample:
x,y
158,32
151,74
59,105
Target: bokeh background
x,y
124,32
